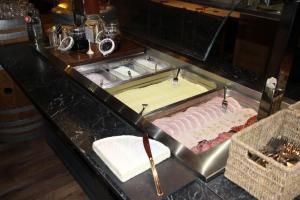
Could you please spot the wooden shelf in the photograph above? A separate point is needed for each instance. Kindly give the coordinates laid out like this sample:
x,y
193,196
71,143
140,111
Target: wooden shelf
x,y
198,8
218,9
127,48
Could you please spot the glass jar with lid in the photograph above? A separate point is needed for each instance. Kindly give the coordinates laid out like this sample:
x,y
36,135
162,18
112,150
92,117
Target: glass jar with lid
x,y
93,25
109,39
80,41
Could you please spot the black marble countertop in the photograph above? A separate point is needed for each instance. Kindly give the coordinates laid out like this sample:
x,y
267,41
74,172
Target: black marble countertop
x,y
82,119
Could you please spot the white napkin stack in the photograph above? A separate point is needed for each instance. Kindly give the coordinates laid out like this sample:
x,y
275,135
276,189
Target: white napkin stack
x,y
125,155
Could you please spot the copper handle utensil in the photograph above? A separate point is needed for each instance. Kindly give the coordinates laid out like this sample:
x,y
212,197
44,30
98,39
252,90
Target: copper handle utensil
x,y
153,168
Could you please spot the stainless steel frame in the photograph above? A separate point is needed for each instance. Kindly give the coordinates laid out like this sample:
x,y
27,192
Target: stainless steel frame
x,y
106,67
162,76
206,164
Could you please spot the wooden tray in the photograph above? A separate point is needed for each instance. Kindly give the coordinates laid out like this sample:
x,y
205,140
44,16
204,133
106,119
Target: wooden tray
x,y
127,48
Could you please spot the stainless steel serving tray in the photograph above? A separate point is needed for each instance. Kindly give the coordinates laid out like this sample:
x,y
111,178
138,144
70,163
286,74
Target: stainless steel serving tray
x,y
85,70
107,69
162,76
160,64
244,101
207,164
140,71
211,162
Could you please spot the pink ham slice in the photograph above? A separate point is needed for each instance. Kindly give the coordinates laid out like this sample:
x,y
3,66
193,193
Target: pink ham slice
x,y
170,128
200,116
207,116
195,122
234,103
217,101
222,137
182,120
180,124
200,112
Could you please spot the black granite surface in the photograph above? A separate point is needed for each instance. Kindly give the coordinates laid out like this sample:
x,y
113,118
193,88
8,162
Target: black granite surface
x,y
84,119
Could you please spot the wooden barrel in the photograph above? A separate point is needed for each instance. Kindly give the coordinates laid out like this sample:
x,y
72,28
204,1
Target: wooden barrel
x,y
13,31
19,119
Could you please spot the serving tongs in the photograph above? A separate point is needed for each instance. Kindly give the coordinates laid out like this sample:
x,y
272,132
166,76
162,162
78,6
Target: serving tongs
x,y
144,106
225,102
147,147
175,79
101,83
129,74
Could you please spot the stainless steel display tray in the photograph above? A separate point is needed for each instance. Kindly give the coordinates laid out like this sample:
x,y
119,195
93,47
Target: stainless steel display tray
x,y
206,164
140,71
244,101
85,70
160,64
108,70
162,76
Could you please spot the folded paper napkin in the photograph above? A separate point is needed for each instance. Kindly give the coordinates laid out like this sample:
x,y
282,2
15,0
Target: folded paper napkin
x,y
125,155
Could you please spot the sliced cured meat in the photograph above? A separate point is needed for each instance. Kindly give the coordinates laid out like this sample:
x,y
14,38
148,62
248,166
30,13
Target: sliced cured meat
x,y
168,127
211,112
218,110
206,145
195,122
234,103
186,122
249,122
182,126
200,117
203,113
204,126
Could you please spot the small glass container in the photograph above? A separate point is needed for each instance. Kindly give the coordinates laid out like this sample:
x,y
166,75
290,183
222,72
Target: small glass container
x,y
93,25
110,31
52,35
80,41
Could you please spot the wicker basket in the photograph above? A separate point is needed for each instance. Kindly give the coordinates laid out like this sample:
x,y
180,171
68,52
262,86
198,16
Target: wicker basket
x,y
275,181
295,107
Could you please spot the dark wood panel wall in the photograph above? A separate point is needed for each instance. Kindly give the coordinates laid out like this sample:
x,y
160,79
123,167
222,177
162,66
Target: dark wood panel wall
x,y
254,43
187,31
245,41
